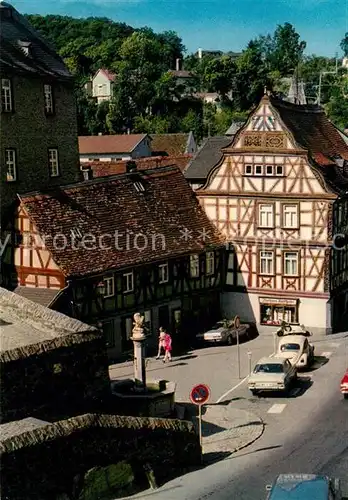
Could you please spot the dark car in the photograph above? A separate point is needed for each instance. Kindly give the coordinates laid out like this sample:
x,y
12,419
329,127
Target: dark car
x,y
304,487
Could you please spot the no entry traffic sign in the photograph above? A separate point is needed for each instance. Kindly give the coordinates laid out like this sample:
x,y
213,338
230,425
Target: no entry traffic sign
x,y
200,394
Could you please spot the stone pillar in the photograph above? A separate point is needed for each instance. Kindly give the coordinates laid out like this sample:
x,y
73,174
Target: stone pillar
x,y
138,339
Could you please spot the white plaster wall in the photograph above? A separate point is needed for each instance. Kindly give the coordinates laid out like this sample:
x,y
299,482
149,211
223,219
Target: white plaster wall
x,y
315,314
105,157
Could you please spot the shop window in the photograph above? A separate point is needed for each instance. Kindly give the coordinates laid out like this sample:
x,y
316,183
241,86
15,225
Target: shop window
x,y
210,264
194,266
147,322
274,314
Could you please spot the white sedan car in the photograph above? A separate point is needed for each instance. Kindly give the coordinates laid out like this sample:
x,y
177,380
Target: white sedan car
x,y
221,332
272,374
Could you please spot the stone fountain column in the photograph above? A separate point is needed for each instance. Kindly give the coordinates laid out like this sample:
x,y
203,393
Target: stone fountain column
x,y
138,339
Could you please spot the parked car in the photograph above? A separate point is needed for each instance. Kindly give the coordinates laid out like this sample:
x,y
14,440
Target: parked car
x,y
296,349
304,487
344,385
223,332
292,329
272,374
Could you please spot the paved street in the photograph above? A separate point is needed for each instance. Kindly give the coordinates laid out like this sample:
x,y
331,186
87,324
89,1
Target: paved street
x,y
306,432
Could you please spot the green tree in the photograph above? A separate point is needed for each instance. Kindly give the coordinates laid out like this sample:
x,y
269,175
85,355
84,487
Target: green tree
x,y
219,75
286,50
344,45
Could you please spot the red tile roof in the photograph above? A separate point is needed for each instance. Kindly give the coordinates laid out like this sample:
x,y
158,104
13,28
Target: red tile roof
x,y
109,74
100,208
104,168
103,144
171,144
313,131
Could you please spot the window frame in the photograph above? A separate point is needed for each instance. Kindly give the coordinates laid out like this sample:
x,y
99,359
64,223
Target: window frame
x,y
128,289
49,110
272,272
14,161
161,278
50,163
194,261
272,172
107,280
283,217
9,88
210,258
295,252
276,170
263,204
262,170
251,169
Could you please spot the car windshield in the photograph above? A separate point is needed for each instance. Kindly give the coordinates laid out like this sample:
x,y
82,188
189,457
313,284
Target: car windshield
x,y
218,325
290,347
269,368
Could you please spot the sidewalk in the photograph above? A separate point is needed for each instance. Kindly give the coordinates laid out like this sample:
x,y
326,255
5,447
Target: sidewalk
x,y
226,429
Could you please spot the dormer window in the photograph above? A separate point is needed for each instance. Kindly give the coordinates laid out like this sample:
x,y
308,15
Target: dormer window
x,y
25,46
48,96
139,186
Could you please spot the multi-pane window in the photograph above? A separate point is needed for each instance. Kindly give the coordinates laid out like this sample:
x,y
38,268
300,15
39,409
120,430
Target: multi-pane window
x,y
53,162
11,165
279,170
109,287
163,273
48,95
290,216
128,282
6,95
269,169
266,218
210,263
258,169
266,262
290,263
194,266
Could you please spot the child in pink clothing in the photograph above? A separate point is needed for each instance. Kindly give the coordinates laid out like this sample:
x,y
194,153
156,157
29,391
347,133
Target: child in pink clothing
x,y
167,348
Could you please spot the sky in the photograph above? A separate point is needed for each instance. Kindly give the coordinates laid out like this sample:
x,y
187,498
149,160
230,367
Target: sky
x,y
214,24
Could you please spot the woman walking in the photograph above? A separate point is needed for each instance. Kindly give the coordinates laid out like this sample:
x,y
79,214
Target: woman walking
x,y
161,342
167,348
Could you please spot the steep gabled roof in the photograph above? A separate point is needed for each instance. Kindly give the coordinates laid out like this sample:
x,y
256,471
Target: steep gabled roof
x,y
313,131
207,156
109,74
169,144
109,210
16,35
105,144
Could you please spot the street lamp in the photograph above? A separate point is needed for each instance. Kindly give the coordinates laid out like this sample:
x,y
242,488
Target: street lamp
x,y
236,323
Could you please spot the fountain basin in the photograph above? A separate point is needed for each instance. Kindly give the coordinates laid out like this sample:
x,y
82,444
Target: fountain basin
x,y
157,399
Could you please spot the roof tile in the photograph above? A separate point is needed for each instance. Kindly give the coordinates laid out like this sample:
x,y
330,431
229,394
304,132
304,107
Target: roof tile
x,y
110,206
103,144
169,144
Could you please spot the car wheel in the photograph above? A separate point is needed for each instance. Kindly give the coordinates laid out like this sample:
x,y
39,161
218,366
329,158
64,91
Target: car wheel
x,y
254,392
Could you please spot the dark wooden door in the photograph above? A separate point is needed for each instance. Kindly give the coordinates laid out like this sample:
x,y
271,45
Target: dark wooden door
x,y
163,317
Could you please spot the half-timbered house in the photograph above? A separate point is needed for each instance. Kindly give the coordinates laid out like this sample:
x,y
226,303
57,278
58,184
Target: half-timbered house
x,y
271,194
112,246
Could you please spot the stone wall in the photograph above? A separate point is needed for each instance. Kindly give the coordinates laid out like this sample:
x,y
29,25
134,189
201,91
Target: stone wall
x,y
54,460
30,132
55,384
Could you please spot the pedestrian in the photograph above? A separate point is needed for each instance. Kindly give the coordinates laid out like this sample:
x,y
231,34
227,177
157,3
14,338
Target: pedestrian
x,y
161,342
167,348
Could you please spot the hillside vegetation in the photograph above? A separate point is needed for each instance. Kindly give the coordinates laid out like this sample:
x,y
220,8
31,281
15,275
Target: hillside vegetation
x,y
147,97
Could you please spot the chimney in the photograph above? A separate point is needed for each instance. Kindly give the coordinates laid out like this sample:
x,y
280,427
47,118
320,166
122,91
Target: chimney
x,y
131,166
200,53
177,65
